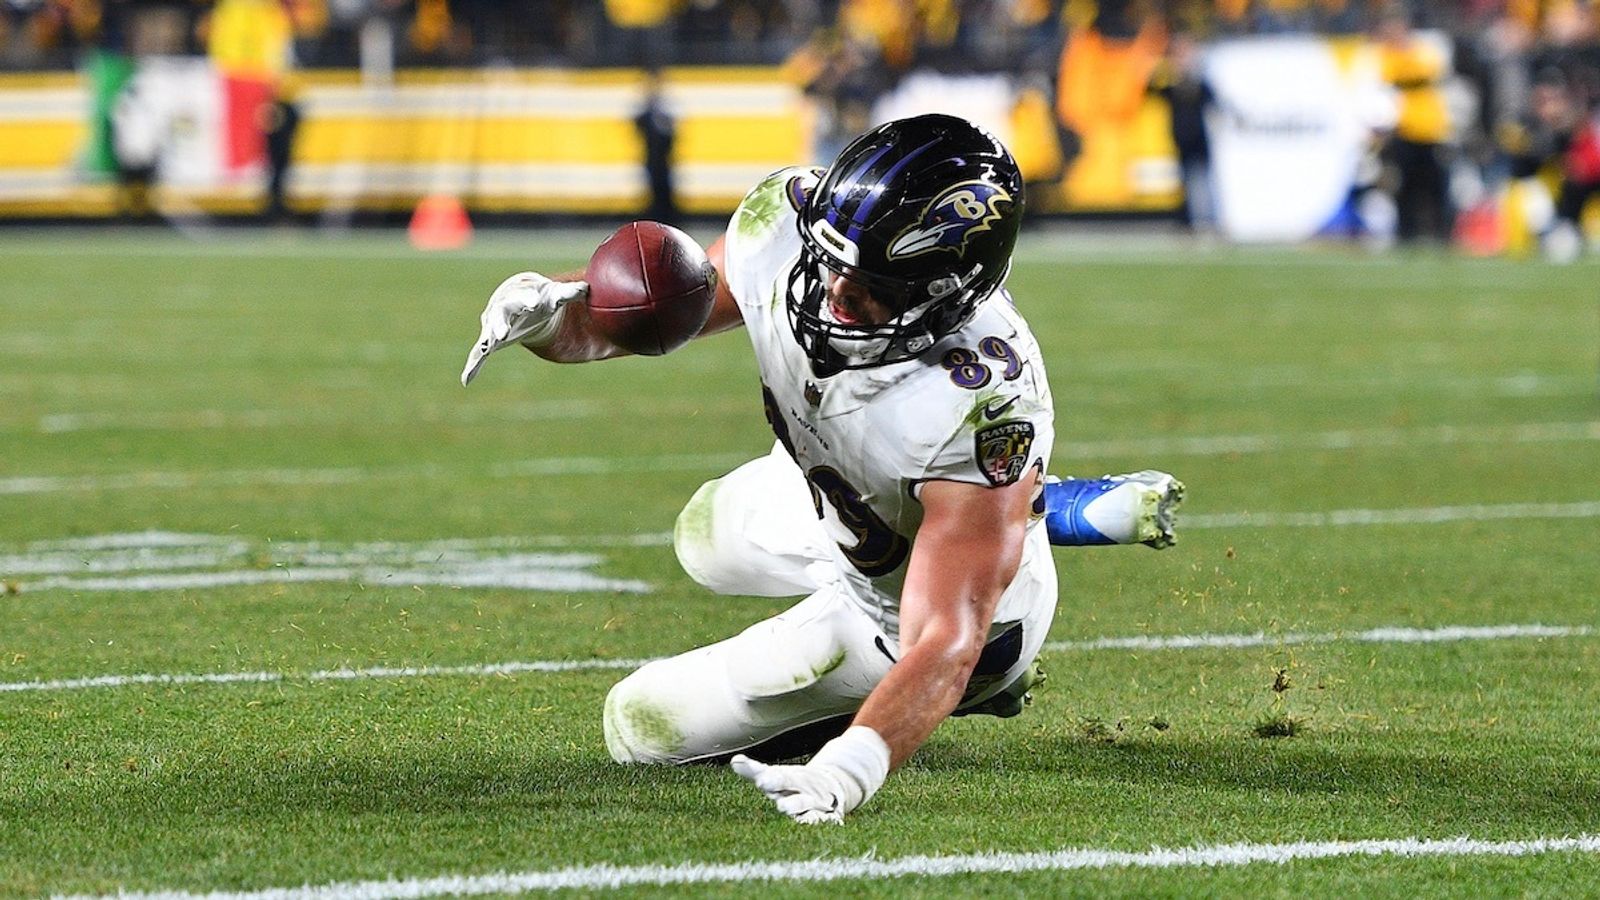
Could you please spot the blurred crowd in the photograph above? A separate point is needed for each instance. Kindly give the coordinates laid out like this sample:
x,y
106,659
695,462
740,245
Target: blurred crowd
x,y
898,35
1514,93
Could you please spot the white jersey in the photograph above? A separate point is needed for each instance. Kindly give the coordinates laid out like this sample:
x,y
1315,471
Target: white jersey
x,y
975,407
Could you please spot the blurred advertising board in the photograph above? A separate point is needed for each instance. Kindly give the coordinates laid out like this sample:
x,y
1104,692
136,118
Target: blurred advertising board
x,y
511,140
1287,135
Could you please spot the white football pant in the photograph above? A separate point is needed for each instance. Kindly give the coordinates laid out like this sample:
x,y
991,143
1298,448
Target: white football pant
x,y
784,686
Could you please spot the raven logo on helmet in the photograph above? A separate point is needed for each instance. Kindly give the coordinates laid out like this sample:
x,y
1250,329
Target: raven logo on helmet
x,y
951,219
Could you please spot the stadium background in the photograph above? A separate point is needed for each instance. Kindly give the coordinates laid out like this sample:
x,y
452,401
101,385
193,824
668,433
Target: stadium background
x,y
528,107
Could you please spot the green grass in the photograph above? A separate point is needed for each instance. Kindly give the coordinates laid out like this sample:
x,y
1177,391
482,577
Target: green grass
x,y
126,353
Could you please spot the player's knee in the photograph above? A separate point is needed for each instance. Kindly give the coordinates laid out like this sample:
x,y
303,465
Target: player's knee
x,y
694,536
640,725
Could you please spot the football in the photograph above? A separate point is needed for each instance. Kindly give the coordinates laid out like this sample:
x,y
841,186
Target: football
x,y
650,288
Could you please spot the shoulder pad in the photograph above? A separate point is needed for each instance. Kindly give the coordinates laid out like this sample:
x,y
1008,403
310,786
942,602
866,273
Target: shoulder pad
x,y
760,210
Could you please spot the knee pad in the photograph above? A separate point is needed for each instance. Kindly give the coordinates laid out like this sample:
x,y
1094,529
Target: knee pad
x,y
694,537
640,726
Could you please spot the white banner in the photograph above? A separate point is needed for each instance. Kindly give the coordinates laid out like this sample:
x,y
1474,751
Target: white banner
x,y
1290,126
170,116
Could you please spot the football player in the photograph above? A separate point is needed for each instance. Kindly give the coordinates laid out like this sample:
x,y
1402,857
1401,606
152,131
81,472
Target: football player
x,y
905,495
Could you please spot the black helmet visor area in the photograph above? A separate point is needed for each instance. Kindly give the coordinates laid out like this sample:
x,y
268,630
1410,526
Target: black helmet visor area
x,y
833,345
895,294
830,344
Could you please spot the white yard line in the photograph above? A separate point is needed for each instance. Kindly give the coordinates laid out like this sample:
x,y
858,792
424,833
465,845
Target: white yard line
x,y
488,574
510,668
1137,642
465,562
1348,439
179,480
1513,385
136,541
122,481
1424,515
1201,446
157,561
553,410
1372,636
606,876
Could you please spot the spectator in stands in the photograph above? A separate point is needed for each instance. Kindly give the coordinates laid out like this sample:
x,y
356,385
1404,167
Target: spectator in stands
x,y
281,124
1180,79
1561,137
1503,49
1418,146
657,130
644,30
1536,138
1571,45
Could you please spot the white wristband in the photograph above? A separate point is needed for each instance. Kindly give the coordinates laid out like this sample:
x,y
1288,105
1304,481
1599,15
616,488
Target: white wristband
x,y
544,333
861,756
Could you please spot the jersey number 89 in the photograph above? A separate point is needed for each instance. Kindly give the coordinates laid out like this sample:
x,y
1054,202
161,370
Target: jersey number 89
x,y
878,549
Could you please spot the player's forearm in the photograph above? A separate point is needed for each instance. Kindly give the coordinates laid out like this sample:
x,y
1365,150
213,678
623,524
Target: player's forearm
x,y
953,587
575,341
920,691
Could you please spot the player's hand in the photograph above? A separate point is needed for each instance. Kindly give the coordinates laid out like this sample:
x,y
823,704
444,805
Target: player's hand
x,y
809,794
525,306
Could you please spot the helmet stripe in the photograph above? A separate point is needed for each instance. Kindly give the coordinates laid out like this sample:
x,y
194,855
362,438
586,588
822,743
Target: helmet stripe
x,y
858,219
834,211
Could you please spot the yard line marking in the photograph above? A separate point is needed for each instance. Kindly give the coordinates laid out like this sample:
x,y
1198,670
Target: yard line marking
x,y
609,876
1398,635
1371,636
154,540
47,484
1199,445
422,550
460,561
1345,439
156,560
508,668
1426,515
528,578
603,465
62,423
1507,385
62,562
136,540
559,465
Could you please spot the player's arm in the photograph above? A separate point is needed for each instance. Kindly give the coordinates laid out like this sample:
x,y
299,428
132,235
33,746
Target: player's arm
x,y
550,317
576,341
967,552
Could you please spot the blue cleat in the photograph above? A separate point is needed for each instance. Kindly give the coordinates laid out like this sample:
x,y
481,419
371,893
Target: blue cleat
x,y
1138,508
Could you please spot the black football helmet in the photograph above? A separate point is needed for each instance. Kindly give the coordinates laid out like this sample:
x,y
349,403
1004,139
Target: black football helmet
x,y
924,213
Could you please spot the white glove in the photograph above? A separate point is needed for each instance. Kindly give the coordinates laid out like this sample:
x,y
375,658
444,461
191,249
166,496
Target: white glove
x,y
524,309
844,774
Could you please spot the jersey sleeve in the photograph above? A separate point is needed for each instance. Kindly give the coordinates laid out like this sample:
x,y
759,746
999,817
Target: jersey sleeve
x,y
1001,428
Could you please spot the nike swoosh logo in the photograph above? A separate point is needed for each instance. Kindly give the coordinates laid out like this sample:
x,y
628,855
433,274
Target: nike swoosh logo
x,y
992,412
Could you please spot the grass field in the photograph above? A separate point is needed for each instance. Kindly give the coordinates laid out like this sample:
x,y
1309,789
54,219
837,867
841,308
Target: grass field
x,y
250,458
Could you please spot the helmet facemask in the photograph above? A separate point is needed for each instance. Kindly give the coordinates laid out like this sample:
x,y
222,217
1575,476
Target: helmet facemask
x,y
921,313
